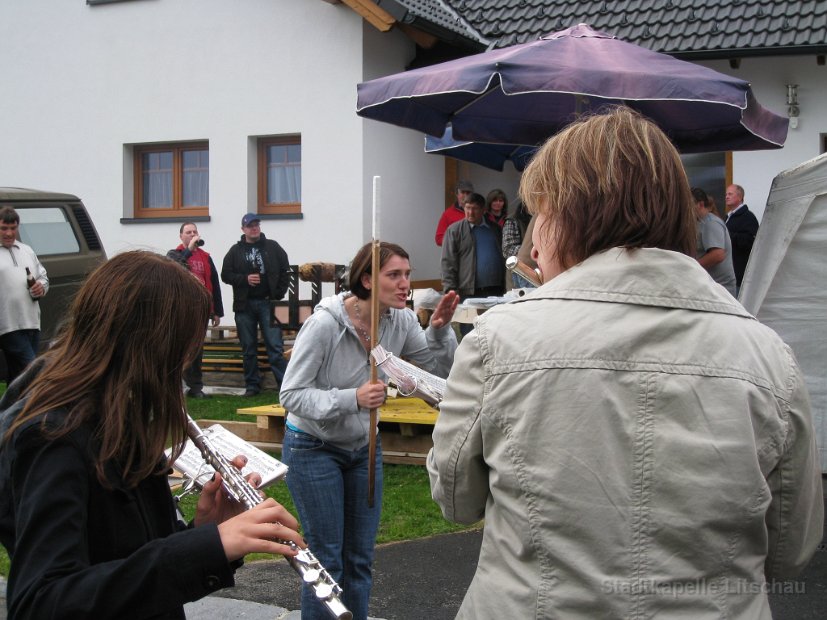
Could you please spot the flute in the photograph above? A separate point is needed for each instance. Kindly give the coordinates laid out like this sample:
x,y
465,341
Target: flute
x,y
305,563
512,263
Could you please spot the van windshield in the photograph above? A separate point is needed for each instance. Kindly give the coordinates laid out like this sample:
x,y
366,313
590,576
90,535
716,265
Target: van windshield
x,y
47,231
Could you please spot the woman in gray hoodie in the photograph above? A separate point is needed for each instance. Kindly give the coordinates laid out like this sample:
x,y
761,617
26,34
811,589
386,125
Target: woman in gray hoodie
x,y
328,395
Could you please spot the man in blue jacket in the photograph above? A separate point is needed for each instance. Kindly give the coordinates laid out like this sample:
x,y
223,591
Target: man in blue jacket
x,y
259,272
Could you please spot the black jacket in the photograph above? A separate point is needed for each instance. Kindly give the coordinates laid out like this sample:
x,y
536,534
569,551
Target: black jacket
x,y
80,550
235,270
742,227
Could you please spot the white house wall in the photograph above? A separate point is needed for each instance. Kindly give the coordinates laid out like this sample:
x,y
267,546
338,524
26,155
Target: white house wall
x,y
755,170
84,83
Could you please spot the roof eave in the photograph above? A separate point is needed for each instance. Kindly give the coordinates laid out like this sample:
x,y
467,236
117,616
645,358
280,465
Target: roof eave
x,y
725,54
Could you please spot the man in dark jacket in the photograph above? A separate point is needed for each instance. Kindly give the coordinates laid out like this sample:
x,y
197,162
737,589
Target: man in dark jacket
x,y
259,272
742,226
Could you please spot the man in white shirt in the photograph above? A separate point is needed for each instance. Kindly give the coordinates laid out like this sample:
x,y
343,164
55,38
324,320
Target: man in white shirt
x,y
23,281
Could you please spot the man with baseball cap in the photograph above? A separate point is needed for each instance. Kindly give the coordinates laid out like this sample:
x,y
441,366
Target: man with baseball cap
x,y
455,212
259,272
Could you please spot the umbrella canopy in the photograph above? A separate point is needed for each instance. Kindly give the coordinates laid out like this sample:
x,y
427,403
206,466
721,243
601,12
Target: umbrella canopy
x,y
486,154
525,93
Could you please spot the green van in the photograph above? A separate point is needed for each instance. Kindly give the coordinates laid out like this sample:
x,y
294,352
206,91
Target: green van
x,y
60,231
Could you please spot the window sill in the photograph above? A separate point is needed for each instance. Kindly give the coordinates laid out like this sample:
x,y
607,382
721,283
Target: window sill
x,y
165,220
204,218
280,216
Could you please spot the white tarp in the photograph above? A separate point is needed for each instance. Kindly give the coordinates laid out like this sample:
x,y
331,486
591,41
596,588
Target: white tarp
x,y
785,283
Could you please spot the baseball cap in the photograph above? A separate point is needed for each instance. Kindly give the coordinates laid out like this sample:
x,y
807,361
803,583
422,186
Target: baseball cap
x,y
464,186
250,218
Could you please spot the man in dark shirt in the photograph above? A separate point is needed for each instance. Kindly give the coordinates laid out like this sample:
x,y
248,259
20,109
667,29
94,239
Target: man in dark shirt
x,y
259,272
742,226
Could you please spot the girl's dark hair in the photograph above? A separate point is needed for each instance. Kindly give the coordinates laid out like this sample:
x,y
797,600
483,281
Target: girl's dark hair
x,y
134,325
361,264
700,195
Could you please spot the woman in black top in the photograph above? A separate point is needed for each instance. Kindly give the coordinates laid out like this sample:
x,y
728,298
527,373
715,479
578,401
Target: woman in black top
x,y
86,513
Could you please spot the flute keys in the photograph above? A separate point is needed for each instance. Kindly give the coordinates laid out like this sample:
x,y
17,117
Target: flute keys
x,y
311,575
323,591
305,557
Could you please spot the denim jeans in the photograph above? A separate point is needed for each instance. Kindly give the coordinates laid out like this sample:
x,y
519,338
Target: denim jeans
x,y
193,376
257,315
20,348
330,489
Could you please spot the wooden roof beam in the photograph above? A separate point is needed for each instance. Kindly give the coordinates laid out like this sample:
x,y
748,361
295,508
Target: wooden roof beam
x,y
377,17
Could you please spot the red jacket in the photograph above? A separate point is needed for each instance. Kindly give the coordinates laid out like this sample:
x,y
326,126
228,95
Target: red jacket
x,y
452,214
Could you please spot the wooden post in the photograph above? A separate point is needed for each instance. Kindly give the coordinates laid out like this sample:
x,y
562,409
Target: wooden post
x,y
374,339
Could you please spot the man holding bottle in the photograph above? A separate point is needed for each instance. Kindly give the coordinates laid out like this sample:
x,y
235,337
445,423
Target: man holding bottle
x,y
23,281
199,264
258,270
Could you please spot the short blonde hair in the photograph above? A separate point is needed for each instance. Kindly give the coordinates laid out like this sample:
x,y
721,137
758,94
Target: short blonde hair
x,y
610,180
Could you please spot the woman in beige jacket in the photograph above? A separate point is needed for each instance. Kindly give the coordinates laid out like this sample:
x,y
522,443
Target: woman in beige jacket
x,y
637,443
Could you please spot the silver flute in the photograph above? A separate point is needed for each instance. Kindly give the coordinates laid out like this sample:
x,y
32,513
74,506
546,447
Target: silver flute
x,y
327,591
512,263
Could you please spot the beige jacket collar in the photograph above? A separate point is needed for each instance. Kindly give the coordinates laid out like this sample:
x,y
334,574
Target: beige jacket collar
x,y
643,277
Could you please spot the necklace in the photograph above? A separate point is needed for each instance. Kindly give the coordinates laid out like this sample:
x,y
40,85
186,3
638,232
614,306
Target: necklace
x,y
361,329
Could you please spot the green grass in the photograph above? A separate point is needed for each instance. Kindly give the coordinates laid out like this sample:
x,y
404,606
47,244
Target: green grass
x,y
223,407
407,509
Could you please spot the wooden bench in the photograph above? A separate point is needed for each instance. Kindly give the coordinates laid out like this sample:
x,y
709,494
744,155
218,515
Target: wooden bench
x,y
222,351
405,426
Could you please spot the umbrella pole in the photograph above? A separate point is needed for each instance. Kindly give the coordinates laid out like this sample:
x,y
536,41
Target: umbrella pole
x,y
374,340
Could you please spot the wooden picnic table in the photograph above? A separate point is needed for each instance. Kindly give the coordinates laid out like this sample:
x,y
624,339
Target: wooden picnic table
x,y
405,426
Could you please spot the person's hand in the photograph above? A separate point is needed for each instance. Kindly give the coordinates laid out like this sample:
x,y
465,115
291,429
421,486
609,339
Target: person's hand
x,y
193,244
257,531
215,320
370,395
444,311
37,290
254,279
214,505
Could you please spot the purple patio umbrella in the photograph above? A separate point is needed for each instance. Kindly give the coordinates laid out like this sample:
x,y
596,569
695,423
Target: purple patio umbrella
x,y
488,154
525,93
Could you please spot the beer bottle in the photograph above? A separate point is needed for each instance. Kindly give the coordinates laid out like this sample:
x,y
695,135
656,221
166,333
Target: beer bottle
x,y
30,283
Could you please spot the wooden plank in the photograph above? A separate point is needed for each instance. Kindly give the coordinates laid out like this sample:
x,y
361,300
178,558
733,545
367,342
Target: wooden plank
x,y
396,448
400,410
248,431
377,17
262,410
426,284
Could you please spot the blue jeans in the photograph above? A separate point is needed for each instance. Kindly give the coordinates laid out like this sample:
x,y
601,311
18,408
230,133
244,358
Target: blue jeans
x,y
20,348
330,489
257,315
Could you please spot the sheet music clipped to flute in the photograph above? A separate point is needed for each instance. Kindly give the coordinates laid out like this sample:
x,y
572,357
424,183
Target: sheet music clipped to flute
x,y
191,463
410,380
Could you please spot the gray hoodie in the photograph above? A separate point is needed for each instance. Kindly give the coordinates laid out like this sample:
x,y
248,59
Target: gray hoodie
x,y
329,363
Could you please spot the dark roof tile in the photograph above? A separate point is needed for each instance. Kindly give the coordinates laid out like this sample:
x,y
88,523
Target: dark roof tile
x,y
673,26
